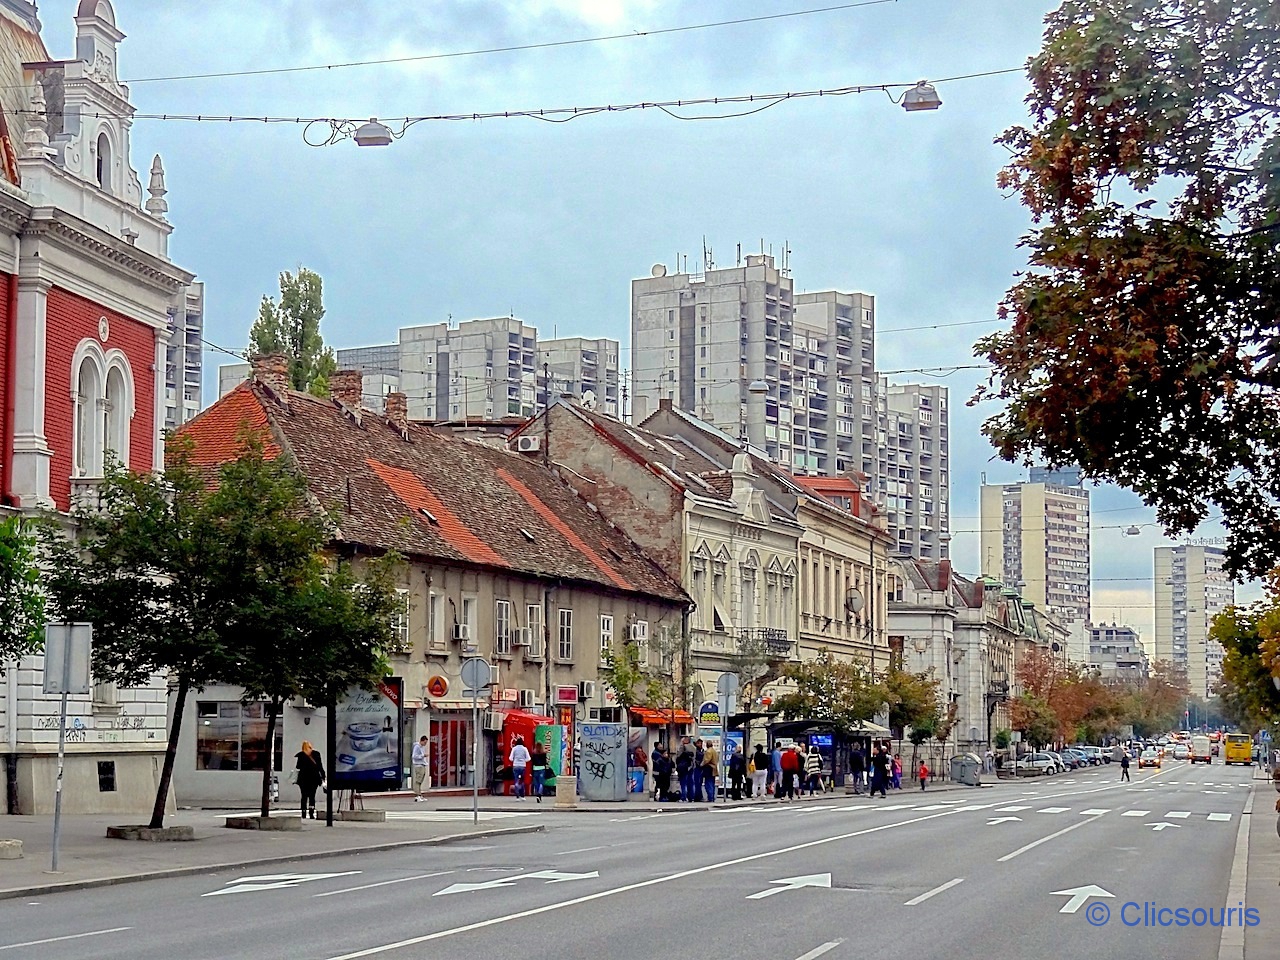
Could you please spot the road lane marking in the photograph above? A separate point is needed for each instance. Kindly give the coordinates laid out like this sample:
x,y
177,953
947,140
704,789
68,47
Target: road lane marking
x,y
1178,814
1094,812
1011,809
604,846
73,936
1036,843
384,883
1054,810
627,888
1135,813
820,950
934,892
1221,817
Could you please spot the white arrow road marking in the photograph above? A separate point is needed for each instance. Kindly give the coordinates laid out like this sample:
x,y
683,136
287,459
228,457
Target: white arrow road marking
x,y
992,823
1178,814
279,881
1135,813
793,883
1223,817
1157,827
934,892
1079,896
383,883
551,876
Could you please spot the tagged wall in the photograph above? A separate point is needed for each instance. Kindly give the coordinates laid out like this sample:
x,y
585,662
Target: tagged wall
x,y
602,773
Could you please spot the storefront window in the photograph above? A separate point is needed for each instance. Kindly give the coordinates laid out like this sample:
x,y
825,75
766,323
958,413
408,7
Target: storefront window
x,y
233,736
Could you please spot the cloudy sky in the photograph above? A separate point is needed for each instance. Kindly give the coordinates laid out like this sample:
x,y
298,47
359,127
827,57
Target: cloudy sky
x,y
551,221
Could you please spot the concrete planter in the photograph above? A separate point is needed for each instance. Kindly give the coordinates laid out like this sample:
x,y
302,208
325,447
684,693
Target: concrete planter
x,y
153,834
360,816
10,849
264,823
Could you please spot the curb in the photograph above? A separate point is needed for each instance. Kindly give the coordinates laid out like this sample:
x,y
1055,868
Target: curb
x,y
10,893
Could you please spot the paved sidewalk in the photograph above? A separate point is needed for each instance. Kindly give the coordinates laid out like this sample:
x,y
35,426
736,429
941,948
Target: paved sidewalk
x,y
87,858
1262,891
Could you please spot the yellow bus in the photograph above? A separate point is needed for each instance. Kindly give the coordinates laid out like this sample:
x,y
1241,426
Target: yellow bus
x,y
1237,748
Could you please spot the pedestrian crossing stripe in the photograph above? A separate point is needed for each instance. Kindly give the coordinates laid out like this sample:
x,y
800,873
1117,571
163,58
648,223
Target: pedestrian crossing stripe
x,y
1093,812
1011,809
1054,810
1178,814
1222,817
1135,813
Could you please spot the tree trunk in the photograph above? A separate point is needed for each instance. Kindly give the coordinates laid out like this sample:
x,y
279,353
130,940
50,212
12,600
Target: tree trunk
x,y
170,754
269,768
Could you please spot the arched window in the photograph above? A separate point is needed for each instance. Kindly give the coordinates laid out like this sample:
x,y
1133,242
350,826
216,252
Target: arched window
x,y
88,452
104,162
118,408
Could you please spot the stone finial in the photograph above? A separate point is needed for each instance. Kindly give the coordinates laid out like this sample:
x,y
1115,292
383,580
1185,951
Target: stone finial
x,y
36,139
397,412
157,206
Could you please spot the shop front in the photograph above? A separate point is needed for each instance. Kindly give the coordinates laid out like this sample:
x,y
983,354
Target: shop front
x,y
452,743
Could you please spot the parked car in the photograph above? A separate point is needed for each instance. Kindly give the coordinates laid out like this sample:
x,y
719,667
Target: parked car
x,y
1036,764
1058,759
1075,758
1149,757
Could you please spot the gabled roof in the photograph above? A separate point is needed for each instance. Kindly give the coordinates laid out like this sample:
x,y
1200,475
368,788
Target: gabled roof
x,y
432,496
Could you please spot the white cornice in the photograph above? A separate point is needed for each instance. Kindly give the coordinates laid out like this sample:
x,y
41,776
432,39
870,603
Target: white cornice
x,y
61,229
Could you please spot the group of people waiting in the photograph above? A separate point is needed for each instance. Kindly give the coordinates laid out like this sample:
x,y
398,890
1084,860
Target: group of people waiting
x,y
688,774
882,771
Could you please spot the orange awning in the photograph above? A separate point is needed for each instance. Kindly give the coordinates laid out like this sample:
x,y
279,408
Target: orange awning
x,y
660,718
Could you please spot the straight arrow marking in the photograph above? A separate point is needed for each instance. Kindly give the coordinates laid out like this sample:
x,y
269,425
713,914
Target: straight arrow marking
x,y
992,823
1157,827
278,881
551,876
793,883
1079,895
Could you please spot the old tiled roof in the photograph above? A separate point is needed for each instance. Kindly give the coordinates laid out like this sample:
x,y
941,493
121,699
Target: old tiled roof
x,y
435,496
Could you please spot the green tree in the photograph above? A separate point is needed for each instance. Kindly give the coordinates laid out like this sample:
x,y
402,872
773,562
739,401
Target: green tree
x,y
1034,719
912,699
840,692
1250,638
291,326
1143,343
22,602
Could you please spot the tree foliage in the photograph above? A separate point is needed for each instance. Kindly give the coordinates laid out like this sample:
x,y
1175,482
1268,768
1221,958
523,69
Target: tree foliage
x,y
913,701
291,326
655,677
1250,637
1034,719
1143,342
840,692
22,602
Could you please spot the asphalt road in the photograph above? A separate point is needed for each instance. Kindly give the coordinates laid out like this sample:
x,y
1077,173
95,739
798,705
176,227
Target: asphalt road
x,y
909,876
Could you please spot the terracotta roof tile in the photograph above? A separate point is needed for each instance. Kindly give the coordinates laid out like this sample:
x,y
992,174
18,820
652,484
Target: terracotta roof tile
x,y
217,431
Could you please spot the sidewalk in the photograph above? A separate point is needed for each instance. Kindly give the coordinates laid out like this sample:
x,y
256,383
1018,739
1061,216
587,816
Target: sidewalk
x,y
87,858
1262,890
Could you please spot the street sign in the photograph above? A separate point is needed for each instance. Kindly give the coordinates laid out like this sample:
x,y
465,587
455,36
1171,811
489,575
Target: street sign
x,y
1264,736
279,881
1079,896
476,674
551,876
67,648
793,883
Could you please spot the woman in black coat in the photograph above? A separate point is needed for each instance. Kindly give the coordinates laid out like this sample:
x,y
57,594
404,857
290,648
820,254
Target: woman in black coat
x,y
310,777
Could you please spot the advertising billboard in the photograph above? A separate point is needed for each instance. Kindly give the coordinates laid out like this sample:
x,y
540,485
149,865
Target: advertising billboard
x,y
369,727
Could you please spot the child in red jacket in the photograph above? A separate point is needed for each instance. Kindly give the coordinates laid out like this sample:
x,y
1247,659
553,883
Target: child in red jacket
x,y
924,774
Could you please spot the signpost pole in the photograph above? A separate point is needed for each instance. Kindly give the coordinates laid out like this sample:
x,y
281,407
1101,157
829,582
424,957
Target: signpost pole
x,y
475,755
62,750
67,649
331,753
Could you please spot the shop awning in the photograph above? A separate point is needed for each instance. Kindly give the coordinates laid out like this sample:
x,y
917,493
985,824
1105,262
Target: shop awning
x,y
660,718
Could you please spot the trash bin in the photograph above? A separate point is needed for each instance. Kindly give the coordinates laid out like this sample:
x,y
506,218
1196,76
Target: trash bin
x,y
966,768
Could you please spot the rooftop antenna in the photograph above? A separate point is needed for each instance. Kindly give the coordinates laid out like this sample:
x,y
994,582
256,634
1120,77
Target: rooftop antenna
x,y
739,263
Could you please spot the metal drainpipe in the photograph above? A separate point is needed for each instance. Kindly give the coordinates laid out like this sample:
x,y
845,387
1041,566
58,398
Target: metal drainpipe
x,y
9,400
11,728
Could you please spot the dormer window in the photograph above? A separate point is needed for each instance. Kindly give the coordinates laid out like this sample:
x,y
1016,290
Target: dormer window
x,y
104,162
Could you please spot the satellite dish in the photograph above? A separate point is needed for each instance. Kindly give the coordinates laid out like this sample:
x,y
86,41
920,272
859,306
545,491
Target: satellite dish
x,y
658,270
589,399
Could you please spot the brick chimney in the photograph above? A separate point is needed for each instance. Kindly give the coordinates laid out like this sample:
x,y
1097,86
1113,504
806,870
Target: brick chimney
x,y
397,411
272,371
347,387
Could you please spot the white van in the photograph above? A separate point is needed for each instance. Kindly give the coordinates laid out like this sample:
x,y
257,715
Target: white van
x,y
1201,750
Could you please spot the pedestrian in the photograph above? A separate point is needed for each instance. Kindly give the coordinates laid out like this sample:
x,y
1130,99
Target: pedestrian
x,y
419,768
880,771
989,762
641,760
813,770
519,759
662,767
1124,766
538,767
310,777
709,766
895,772
761,773
737,772
790,769
699,749
857,769
775,768
924,774
685,769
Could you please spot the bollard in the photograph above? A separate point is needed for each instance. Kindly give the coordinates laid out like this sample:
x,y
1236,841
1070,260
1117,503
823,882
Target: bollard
x,y
566,792
10,849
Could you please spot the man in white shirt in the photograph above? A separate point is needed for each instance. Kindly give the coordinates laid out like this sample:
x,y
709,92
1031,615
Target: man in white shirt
x,y
519,761
419,769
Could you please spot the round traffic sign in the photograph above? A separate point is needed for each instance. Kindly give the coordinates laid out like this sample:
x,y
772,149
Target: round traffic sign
x,y
475,673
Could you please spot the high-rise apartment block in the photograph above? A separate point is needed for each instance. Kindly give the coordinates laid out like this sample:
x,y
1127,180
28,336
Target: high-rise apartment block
x,y
1035,537
1192,587
184,360
1116,654
487,369
794,375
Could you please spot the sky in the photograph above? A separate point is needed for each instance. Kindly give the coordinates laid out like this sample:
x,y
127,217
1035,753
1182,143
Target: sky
x,y
550,222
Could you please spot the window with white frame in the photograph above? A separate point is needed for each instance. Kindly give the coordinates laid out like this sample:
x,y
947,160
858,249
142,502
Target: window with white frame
x,y
606,635
400,642
434,637
103,408
640,634
502,628
469,617
533,617
564,648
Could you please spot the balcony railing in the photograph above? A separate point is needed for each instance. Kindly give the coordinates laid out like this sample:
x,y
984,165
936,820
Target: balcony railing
x,y
777,641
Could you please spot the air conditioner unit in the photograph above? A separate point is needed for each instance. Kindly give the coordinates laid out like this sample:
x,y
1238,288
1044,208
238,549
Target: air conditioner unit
x,y
526,698
521,637
493,720
461,631
493,675
639,633
528,444
586,689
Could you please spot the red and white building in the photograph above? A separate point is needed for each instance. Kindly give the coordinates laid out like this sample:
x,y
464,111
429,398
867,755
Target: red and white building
x,y
88,300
